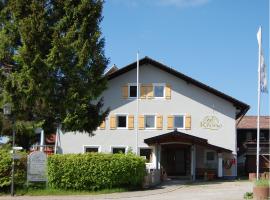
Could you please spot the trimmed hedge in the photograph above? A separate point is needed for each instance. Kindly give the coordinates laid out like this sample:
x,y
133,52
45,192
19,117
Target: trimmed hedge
x,y
94,171
5,169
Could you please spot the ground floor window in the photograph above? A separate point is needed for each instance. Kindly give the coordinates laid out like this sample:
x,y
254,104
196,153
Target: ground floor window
x,y
147,154
89,149
210,156
118,150
210,159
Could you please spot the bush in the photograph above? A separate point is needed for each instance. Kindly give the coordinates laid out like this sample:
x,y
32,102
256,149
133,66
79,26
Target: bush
x,y
5,169
94,171
248,195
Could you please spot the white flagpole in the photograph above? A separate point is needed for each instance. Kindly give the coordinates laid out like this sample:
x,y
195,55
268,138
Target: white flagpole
x,y
259,99
137,101
56,140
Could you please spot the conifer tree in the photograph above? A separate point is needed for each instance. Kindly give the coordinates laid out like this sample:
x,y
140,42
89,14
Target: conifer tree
x,y
52,62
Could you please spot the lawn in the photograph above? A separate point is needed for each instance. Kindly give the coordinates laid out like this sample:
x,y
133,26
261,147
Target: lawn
x,y
53,192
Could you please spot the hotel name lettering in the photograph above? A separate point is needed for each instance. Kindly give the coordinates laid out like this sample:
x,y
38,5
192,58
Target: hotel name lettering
x,y
211,123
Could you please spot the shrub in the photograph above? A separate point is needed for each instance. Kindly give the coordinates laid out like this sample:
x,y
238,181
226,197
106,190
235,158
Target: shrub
x,y
93,171
5,169
262,183
248,195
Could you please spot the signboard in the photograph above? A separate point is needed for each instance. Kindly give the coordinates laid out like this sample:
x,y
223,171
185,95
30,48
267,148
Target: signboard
x,y
37,167
211,123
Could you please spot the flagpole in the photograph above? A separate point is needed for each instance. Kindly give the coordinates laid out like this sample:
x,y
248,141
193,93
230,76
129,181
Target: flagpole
x,y
137,101
258,108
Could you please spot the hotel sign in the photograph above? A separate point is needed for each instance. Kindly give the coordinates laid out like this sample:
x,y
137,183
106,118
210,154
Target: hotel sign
x,y
211,123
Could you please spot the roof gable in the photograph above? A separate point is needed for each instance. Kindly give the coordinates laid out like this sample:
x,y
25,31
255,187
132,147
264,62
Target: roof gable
x,y
241,107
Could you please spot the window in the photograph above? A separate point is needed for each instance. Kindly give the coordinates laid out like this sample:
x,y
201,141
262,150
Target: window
x,y
132,91
210,156
159,90
90,149
150,121
178,121
122,121
118,150
147,154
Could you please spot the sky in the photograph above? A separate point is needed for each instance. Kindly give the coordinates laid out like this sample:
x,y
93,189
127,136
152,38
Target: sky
x,y
212,41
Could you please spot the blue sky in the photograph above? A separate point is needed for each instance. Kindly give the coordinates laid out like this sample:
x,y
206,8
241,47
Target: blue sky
x,y
213,41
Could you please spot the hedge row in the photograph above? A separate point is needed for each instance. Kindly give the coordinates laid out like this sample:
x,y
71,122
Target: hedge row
x,y
93,171
5,169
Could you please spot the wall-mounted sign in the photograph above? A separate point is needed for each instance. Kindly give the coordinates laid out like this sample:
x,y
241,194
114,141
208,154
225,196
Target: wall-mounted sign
x,y
37,165
211,122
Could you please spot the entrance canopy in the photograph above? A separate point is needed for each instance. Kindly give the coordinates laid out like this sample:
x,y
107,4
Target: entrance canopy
x,y
176,136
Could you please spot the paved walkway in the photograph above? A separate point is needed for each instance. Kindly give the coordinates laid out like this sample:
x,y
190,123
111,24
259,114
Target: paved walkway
x,y
173,190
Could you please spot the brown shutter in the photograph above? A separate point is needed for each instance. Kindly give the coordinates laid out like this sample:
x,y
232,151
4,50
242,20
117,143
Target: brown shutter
x,y
143,91
159,122
141,122
150,91
131,122
125,91
113,122
170,122
188,121
168,91
102,125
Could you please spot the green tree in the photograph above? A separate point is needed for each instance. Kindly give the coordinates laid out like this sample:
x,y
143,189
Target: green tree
x,y
52,62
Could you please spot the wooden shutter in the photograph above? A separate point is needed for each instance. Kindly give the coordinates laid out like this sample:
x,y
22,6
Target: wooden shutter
x,y
143,90
141,122
159,122
168,91
113,122
188,121
170,122
131,122
125,91
150,91
102,125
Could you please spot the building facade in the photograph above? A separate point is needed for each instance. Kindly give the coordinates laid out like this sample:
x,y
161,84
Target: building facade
x,y
184,128
247,144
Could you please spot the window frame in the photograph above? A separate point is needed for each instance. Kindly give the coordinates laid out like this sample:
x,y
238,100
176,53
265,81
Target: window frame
x,y
129,85
91,146
159,84
121,114
152,153
184,120
114,147
205,156
155,122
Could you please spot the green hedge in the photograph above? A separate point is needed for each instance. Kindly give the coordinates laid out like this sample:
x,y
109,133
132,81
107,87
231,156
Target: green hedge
x,y
93,171
5,169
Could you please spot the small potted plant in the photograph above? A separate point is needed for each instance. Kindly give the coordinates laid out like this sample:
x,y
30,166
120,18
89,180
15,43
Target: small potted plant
x,y
261,189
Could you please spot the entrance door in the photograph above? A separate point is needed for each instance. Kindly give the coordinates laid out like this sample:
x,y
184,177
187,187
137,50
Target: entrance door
x,y
180,164
174,161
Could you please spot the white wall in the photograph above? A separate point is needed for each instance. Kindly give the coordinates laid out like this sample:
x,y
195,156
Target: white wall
x,y
186,98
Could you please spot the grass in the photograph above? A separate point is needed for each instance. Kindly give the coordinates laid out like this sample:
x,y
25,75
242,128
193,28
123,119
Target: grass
x,y
55,192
